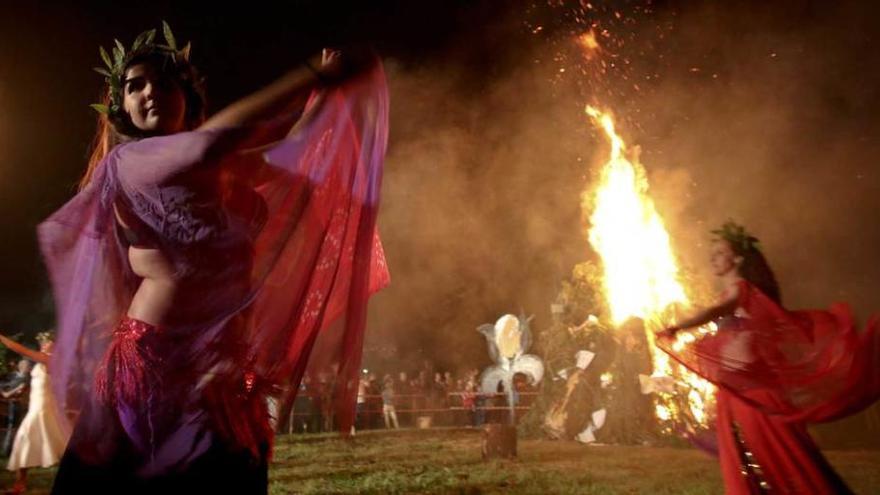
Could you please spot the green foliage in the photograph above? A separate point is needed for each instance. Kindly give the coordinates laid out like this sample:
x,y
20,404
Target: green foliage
x,y
736,235
579,297
169,36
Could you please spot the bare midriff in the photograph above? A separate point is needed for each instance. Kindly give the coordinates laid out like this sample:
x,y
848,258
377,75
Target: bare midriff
x,y
154,296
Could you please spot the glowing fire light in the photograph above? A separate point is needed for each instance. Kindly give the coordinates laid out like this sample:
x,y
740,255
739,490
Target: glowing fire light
x,y
589,43
641,276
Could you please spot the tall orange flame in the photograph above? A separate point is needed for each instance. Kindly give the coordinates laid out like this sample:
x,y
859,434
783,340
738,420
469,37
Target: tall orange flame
x,y
641,275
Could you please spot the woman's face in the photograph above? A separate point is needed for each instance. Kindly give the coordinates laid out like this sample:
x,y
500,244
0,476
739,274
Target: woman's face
x,y
47,346
153,100
723,259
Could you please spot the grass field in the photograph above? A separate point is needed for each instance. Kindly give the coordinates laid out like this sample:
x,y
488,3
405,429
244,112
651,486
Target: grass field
x,y
448,462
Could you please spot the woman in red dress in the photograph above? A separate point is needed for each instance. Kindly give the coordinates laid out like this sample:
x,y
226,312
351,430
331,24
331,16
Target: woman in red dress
x,y
776,371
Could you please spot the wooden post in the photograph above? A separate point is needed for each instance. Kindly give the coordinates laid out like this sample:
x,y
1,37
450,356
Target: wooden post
x,y
499,440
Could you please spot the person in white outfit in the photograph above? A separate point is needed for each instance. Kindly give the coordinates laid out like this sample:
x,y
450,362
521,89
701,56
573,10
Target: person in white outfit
x,y
43,433
388,409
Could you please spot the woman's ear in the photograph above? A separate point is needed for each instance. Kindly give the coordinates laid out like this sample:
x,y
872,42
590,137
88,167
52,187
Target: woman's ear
x,y
738,260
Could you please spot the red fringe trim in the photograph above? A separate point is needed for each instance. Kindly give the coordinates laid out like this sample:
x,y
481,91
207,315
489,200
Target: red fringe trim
x,y
129,368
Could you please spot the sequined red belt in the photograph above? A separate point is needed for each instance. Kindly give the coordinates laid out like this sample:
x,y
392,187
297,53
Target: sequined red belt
x,y
130,365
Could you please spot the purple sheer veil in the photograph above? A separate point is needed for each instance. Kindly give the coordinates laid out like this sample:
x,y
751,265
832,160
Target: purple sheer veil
x,y
287,242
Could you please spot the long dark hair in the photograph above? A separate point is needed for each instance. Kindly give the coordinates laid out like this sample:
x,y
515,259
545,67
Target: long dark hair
x,y
755,270
117,128
754,267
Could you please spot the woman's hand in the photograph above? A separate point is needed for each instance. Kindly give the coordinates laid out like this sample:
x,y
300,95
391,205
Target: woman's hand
x,y
290,90
331,64
337,66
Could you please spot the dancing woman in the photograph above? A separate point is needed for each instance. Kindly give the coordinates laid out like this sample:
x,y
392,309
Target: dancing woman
x,y
203,260
776,370
42,434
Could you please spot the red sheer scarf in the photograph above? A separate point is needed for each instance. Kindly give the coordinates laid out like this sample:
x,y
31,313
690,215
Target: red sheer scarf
x,y
809,365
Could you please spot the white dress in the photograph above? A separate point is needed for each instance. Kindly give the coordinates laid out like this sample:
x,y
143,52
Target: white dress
x,y
42,435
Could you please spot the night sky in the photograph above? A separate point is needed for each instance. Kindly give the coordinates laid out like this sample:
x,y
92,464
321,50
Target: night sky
x,y
764,113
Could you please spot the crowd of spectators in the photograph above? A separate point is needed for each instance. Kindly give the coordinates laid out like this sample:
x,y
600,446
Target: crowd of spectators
x,y
410,400
421,399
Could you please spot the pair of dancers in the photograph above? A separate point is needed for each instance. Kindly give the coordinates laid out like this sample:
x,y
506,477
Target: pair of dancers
x,y
204,259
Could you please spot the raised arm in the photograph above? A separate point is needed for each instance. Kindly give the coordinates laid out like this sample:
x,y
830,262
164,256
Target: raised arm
x,y
155,160
275,98
24,351
727,306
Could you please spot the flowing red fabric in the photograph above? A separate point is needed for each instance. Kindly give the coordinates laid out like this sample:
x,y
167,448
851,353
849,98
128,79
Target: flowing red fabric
x,y
778,370
811,366
761,453
277,253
